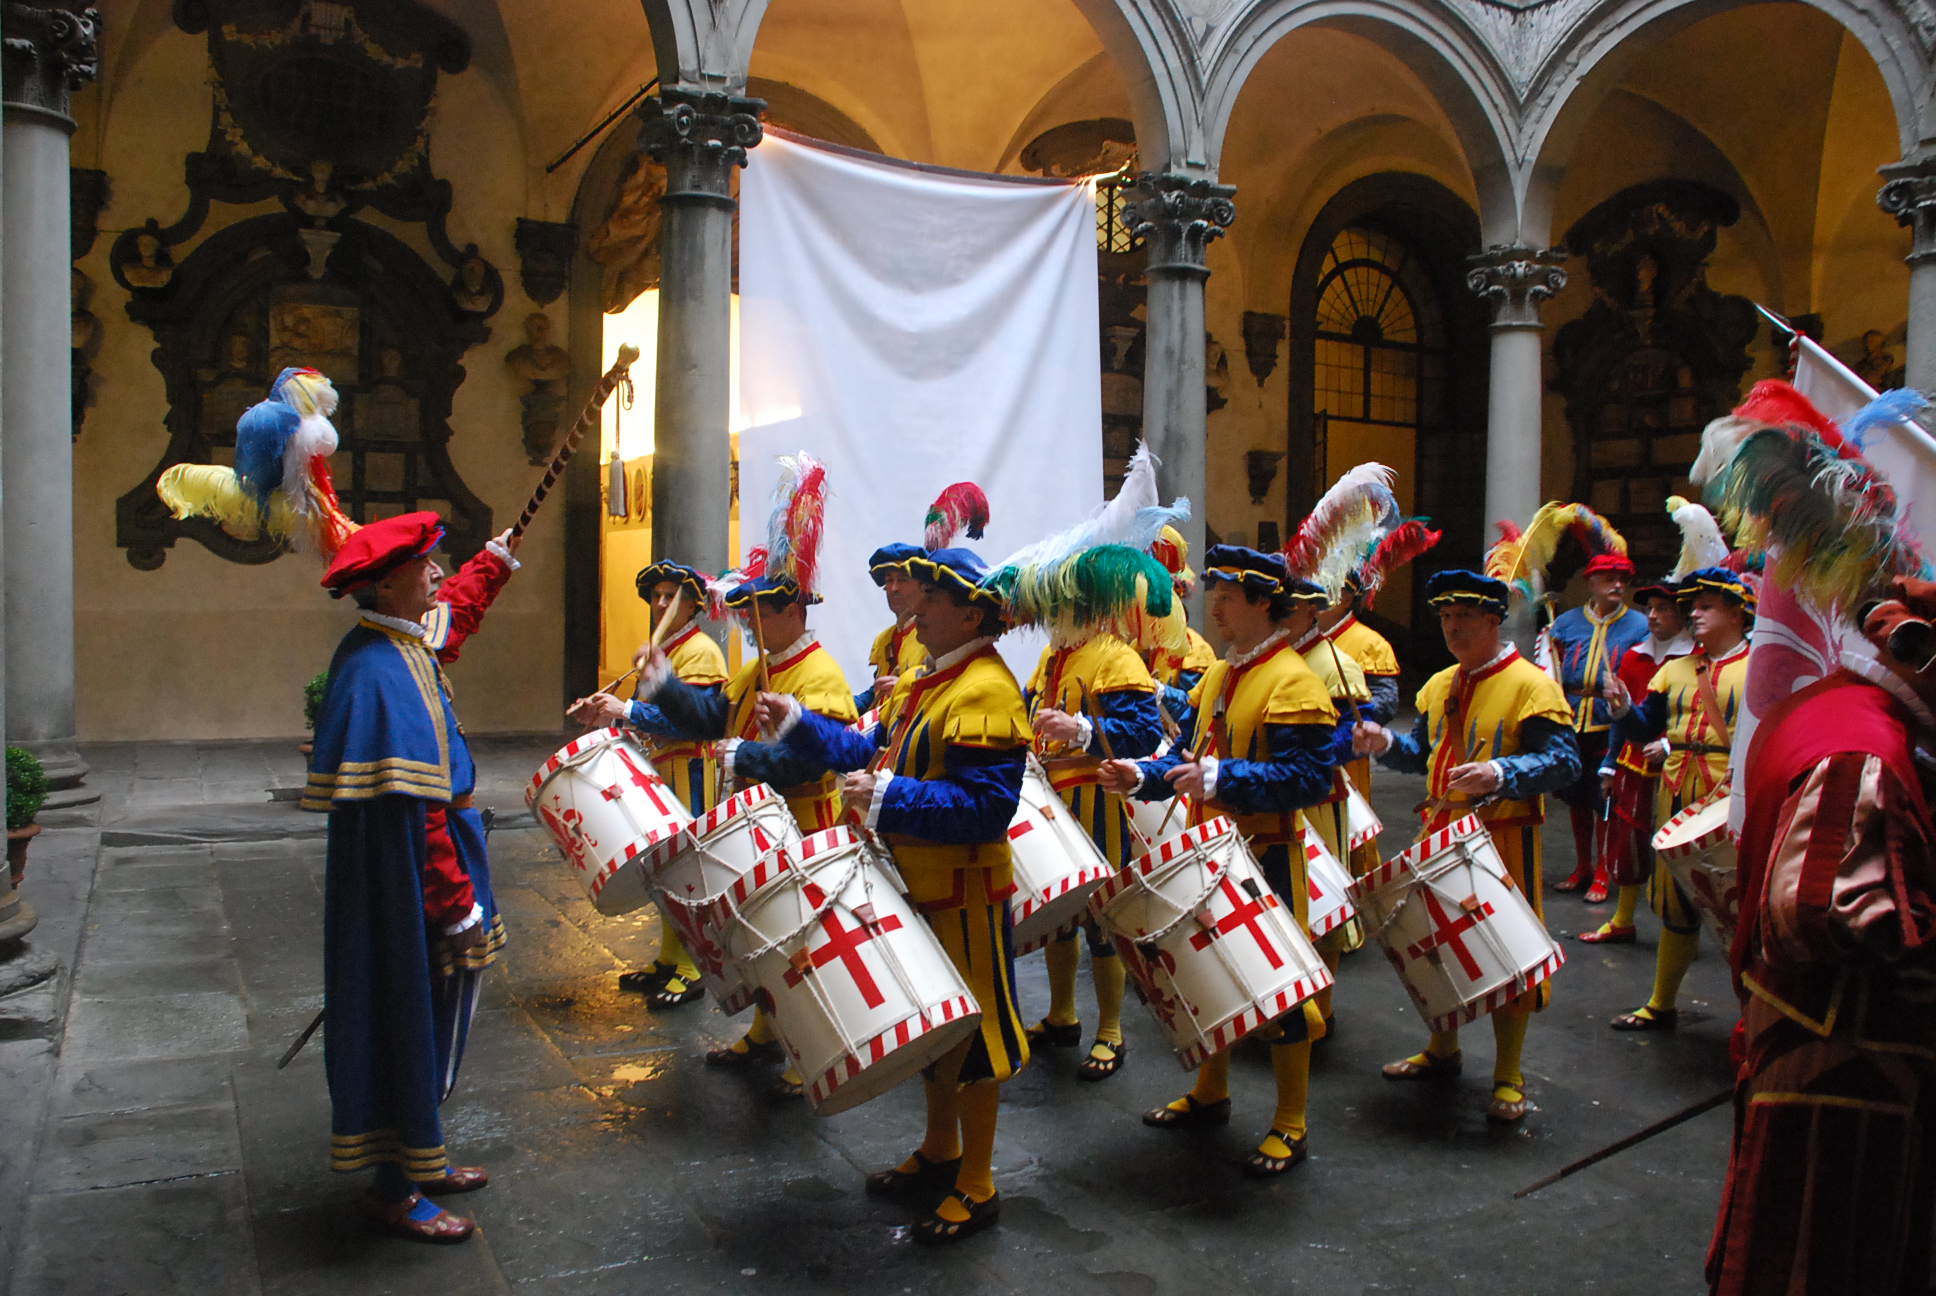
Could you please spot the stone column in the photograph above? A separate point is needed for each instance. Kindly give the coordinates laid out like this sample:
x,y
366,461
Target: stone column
x,y
48,54
1177,216
1514,279
701,137
1909,195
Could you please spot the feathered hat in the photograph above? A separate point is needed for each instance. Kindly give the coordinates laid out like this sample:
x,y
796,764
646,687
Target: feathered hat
x,y
959,507
1402,544
787,567
280,484
1702,544
1332,540
1173,551
1606,548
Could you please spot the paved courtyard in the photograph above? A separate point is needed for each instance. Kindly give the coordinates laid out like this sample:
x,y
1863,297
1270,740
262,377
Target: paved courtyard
x,y
149,1144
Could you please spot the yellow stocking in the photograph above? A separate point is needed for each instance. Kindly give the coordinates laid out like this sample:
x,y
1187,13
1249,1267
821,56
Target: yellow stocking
x,y
1675,956
761,1031
1213,1080
1111,977
943,1139
980,1105
673,950
1331,950
1625,907
1291,1063
1063,956
1509,1043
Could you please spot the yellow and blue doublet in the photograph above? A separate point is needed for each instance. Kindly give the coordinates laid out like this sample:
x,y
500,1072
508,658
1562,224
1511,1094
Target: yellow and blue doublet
x,y
1344,682
686,765
1104,680
897,651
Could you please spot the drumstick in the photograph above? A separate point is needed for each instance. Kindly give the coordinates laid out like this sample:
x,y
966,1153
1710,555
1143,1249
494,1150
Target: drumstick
x,y
759,642
1109,754
587,416
1196,755
1638,1136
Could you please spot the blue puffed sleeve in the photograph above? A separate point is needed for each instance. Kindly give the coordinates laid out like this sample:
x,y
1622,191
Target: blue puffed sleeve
x,y
1547,760
1410,753
864,702
692,710
647,718
1129,721
1298,771
973,801
830,745
1640,726
1384,697
1176,695
778,764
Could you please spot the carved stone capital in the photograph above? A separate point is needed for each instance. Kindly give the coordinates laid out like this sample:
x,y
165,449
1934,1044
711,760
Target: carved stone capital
x,y
1176,217
1514,280
1909,194
699,137
49,54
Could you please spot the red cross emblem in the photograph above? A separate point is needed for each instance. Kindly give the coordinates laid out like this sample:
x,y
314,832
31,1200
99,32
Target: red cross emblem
x,y
1244,912
1448,931
843,944
643,779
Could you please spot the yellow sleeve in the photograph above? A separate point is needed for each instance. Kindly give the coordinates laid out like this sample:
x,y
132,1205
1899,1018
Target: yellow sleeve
x,y
699,661
1199,656
986,711
1431,698
1667,677
1300,697
877,655
1373,651
1355,687
1114,667
821,686
1039,677
1544,699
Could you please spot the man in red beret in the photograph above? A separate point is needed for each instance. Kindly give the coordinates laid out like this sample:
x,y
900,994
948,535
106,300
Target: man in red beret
x,y
1829,1183
409,919
1589,642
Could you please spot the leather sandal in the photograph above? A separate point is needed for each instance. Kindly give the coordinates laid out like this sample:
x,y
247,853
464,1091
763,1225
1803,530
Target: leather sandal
x,y
1192,1114
1573,883
786,1087
1506,1110
1608,934
1053,1035
646,979
927,1181
937,1229
1647,1018
1101,1068
731,1056
1432,1068
394,1218
1597,893
677,989
1263,1165
457,1179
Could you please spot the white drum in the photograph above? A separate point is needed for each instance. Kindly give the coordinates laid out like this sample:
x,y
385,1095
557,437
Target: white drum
x,y
1212,950
724,855
1699,852
1057,864
1326,882
1146,823
1362,824
609,812
862,993
1463,938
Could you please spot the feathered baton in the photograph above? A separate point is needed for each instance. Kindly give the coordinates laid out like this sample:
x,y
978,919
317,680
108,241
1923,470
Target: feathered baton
x,y
619,373
958,508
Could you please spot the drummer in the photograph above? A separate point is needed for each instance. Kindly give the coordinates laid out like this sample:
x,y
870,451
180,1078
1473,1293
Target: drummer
x,y
1344,681
1494,733
1631,771
1693,702
951,747
799,666
897,650
1177,678
1259,746
1090,697
676,593
1374,655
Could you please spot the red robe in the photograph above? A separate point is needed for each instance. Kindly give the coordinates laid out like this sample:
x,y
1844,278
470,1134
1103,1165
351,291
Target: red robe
x,y
1829,1183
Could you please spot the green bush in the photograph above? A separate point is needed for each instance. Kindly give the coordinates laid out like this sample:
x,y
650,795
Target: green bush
x,y
26,787
313,697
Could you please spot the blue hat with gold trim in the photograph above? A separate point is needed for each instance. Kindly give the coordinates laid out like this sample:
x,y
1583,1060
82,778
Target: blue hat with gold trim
x,y
1474,589
771,591
691,579
891,557
1302,592
1259,573
960,570
1723,581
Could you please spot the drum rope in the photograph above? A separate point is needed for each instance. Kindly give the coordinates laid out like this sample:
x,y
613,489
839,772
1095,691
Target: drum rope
x,y
1485,932
911,993
832,898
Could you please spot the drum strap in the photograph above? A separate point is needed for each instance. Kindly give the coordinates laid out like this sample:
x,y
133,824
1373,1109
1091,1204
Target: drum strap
x,y
1704,685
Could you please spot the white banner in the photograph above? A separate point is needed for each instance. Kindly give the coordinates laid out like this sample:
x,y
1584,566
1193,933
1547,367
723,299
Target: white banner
x,y
911,327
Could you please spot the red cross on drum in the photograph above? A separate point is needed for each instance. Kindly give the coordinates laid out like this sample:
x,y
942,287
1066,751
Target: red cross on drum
x,y
1464,939
609,813
1213,950
861,992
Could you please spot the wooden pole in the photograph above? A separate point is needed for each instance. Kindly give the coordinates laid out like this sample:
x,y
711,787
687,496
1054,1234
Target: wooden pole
x,y
587,418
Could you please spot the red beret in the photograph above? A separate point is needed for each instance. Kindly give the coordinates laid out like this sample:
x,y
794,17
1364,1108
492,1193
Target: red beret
x,y
380,548
1610,563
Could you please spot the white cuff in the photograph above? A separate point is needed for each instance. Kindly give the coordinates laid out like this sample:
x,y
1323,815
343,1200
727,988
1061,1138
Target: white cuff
x,y
1142,779
881,780
470,920
1209,764
1499,773
1607,771
503,553
791,718
1088,728
654,676
727,751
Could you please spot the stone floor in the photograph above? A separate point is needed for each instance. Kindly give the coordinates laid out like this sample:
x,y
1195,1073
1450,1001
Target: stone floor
x,y
149,1144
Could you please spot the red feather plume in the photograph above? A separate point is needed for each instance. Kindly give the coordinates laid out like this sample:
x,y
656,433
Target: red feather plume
x,y
959,507
1401,545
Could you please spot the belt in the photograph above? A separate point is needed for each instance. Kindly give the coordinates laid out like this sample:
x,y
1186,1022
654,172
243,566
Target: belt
x,y
1703,749
1066,772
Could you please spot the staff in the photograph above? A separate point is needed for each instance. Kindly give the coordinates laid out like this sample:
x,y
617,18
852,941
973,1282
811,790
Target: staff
x,y
617,374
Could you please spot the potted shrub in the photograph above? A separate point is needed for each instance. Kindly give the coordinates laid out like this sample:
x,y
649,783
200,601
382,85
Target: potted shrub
x,y
313,704
26,791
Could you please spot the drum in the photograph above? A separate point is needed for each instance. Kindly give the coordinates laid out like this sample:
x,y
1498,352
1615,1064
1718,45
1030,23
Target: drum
x,y
609,812
1212,950
1463,938
1362,824
1146,821
1700,853
1057,864
860,990
1327,882
726,854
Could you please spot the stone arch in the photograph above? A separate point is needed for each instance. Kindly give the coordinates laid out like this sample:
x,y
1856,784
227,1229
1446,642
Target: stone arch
x,y
1588,64
1443,52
